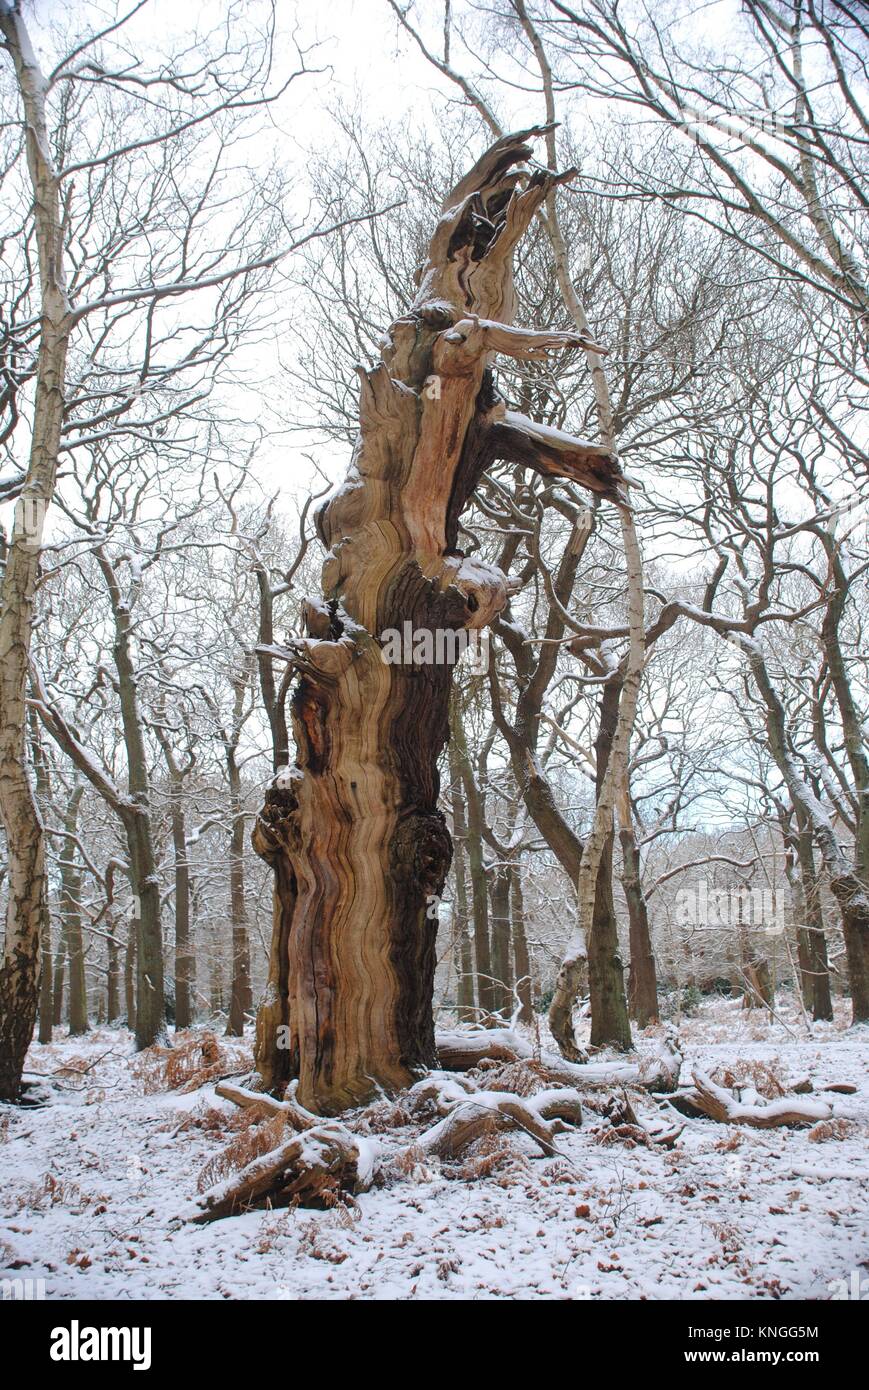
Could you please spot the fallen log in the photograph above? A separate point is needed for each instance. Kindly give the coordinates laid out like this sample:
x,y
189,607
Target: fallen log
x,y
461,1049
713,1101
305,1168
470,1117
296,1115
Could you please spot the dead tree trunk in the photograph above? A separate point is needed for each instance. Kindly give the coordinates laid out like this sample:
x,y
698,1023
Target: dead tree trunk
x,y
353,831
757,991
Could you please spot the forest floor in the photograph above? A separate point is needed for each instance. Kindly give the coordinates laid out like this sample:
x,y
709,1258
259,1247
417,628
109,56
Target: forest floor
x,y
91,1181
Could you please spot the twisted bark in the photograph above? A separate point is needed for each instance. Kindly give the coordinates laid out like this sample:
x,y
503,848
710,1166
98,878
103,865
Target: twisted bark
x,y
353,830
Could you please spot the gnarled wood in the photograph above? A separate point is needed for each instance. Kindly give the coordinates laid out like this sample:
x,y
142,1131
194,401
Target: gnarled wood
x,y
469,1114
325,1158
718,1104
353,831
294,1114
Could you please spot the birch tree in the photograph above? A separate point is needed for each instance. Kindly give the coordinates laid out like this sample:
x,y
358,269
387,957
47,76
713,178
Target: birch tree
x,y
120,252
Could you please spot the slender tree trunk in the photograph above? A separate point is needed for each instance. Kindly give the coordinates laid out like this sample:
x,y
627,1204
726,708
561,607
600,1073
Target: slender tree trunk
x,y
241,1000
464,956
27,894
851,888
855,930
59,972
150,1000
609,1009
521,956
467,1008
500,919
70,911
130,975
46,1001
642,979
353,832
803,958
185,956
474,820
274,707
215,978
817,974
113,973
43,791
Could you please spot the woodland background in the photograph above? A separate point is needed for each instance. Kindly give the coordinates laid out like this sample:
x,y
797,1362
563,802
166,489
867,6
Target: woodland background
x,y
239,225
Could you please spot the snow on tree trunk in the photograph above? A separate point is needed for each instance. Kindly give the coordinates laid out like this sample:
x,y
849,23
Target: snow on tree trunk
x,y
27,903
353,831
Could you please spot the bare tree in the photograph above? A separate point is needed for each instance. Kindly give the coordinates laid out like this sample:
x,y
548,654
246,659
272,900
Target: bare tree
x,y
90,356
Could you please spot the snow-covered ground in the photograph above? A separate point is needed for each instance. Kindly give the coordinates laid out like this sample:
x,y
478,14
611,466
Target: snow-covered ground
x,y
90,1184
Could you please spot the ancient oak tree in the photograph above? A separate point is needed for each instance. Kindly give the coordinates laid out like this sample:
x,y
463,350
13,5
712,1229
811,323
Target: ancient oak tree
x,y
353,831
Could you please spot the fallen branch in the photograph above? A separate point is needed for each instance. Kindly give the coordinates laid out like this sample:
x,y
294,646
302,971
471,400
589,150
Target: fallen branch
x,y
718,1104
470,1117
461,1049
806,1170
297,1117
323,1160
